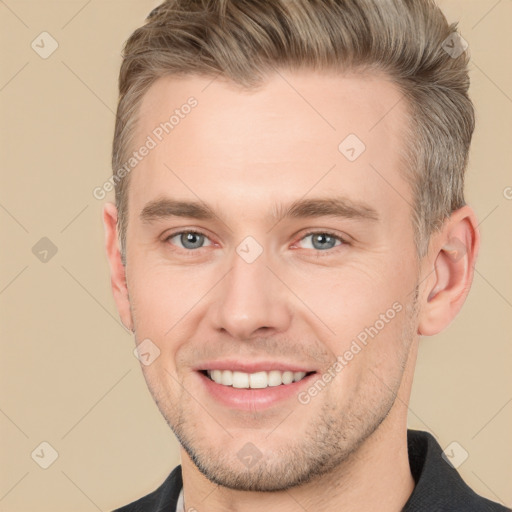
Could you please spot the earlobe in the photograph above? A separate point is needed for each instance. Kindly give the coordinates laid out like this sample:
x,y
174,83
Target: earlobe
x,y
453,253
117,269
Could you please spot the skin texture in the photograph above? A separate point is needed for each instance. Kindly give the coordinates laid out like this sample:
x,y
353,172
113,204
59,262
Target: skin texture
x,y
241,153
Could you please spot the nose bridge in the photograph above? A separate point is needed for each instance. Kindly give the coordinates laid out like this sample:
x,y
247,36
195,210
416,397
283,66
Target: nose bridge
x,y
250,297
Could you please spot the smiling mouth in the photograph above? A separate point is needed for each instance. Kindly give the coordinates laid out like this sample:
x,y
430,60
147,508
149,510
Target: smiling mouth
x,y
258,380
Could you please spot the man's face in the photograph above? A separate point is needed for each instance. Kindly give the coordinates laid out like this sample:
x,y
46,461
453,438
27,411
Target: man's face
x,y
254,290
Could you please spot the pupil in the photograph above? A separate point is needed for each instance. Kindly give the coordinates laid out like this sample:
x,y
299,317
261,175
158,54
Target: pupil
x,y
321,239
193,239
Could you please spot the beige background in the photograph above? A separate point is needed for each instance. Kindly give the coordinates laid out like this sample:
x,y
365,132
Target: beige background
x,y
68,374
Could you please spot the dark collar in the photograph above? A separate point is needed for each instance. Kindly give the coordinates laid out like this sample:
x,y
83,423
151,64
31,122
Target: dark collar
x,y
439,487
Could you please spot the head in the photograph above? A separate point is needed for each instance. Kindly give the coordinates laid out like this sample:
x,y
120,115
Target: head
x,y
344,118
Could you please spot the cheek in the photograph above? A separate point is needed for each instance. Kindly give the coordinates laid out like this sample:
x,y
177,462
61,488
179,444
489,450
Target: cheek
x,y
366,312
354,297
164,389
370,361
162,295
167,305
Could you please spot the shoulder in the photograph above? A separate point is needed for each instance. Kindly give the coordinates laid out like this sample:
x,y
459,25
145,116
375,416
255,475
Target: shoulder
x,y
162,499
439,487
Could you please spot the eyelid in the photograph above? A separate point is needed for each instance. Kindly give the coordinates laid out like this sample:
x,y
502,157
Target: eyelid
x,y
180,231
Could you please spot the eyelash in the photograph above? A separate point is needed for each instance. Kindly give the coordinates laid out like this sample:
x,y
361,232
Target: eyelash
x,y
326,252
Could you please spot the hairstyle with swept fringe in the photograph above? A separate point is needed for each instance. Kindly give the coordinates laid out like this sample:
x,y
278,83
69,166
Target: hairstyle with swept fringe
x,y
244,40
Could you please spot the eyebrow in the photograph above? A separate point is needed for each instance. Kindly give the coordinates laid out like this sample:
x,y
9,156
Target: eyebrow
x,y
163,208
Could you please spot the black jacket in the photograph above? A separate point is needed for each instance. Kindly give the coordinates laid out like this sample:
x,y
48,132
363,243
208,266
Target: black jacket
x,y
439,488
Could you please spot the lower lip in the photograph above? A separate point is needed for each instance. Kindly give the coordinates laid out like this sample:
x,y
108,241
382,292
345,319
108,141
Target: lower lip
x,y
253,399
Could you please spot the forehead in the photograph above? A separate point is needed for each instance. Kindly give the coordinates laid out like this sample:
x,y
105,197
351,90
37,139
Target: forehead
x,y
297,132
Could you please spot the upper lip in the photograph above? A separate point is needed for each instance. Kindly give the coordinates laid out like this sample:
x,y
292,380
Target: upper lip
x,y
253,366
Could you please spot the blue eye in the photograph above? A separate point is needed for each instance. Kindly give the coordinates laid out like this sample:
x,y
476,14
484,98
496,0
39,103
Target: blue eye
x,y
321,240
188,239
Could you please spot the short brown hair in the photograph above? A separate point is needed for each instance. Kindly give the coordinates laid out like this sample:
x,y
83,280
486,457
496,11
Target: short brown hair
x,y
244,40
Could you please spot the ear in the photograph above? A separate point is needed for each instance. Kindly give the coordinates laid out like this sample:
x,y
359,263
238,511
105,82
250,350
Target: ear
x,y
452,254
117,269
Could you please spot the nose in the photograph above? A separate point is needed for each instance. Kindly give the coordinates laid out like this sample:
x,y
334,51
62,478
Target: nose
x,y
251,301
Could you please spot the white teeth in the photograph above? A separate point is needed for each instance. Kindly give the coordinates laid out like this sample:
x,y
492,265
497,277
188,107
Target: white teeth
x,y
287,377
298,376
227,377
258,380
240,380
274,378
